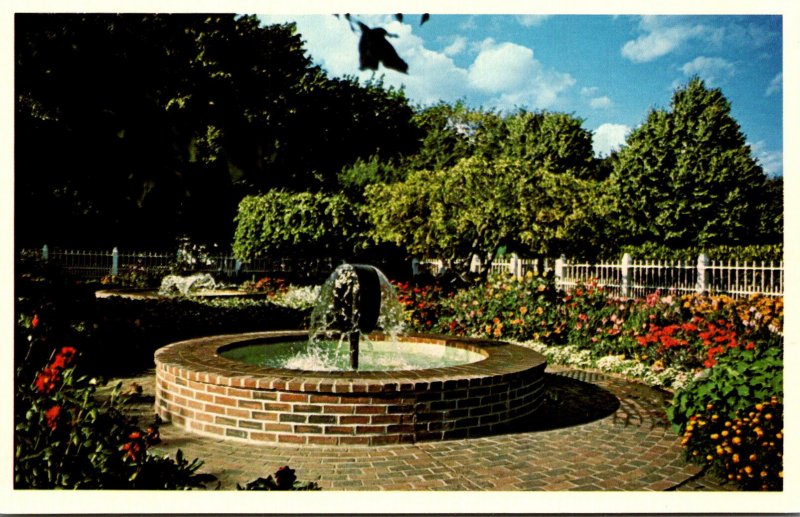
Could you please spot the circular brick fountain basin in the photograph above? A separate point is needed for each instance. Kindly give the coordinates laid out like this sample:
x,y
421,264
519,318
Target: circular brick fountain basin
x,y
201,391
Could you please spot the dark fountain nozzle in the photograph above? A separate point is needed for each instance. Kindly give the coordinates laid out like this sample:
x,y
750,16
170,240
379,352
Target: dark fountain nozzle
x,y
356,303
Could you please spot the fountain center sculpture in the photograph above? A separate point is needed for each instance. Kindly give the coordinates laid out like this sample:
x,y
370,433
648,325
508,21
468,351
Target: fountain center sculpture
x,y
356,304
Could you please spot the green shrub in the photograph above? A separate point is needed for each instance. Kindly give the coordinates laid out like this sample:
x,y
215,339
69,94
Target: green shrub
x,y
740,378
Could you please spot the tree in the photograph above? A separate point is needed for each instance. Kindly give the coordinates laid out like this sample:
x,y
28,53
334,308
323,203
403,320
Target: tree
x,y
686,177
303,224
556,142
477,206
132,129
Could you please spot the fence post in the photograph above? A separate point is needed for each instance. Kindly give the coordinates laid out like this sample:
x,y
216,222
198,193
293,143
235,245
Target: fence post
x,y
414,266
45,253
115,262
626,274
558,272
515,266
475,265
703,280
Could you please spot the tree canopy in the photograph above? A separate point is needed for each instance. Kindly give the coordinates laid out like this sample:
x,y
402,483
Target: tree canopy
x,y
478,206
136,128
686,176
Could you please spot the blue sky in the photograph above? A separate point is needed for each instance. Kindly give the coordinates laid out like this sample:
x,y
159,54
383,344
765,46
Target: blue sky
x,y
607,70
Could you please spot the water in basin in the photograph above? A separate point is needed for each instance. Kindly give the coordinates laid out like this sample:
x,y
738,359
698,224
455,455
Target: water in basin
x,y
374,356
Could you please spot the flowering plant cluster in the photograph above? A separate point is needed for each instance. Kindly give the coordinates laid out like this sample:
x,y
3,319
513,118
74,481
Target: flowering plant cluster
x,y
746,449
423,304
66,438
760,311
694,343
297,297
272,286
135,276
506,307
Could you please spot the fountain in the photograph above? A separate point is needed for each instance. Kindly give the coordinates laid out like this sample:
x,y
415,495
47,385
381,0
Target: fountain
x,y
171,284
344,382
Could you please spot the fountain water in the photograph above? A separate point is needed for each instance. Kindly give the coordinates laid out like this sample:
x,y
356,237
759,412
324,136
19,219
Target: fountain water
x,y
184,284
355,300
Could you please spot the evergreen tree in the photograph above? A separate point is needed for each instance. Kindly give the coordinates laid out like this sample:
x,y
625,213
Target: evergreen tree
x,y
686,176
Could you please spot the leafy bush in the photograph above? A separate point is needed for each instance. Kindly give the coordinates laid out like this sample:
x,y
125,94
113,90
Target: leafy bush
x,y
289,224
139,327
65,438
746,449
740,378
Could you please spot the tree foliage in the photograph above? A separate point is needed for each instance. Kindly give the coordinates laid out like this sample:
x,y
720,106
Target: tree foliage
x,y
138,128
289,224
686,177
477,206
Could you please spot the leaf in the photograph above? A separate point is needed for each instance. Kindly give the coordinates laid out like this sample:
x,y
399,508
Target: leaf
x,y
425,17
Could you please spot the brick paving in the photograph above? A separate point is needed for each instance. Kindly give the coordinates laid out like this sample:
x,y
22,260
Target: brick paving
x,y
598,433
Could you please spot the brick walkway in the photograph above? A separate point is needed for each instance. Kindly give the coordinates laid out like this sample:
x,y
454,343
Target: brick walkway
x,y
600,433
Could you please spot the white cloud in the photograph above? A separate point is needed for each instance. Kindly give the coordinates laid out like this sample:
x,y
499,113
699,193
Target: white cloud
x,y
532,20
771,160
589,91
512,73
600,102
661,36
775,85
457,47
502,67
711,69
608,138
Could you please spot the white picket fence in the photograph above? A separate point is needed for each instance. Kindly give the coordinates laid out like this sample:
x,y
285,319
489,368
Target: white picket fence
x,y
637,278
630,278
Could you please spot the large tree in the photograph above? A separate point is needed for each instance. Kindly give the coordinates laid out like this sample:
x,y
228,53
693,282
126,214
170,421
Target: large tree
x,y
135,128
478,206
686,176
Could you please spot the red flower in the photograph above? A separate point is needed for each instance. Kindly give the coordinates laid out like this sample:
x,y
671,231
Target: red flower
x,y
750,346
52,415
47,380
35,321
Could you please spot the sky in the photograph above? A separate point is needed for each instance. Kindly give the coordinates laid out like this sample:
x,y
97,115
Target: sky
x,y
608,70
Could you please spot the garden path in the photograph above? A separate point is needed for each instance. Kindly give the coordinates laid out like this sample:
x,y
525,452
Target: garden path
x,y
601,433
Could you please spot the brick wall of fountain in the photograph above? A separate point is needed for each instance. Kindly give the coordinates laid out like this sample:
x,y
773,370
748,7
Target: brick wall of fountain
x,y
211,395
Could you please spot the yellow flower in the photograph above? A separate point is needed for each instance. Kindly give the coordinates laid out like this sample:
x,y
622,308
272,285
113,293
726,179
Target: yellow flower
x,y
523,310
539,310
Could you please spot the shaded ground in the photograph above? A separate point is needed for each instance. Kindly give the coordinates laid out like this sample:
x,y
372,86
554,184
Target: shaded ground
x,y
595,433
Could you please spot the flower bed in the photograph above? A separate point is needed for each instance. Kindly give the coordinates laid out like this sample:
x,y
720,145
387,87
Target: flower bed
x,y
711,351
